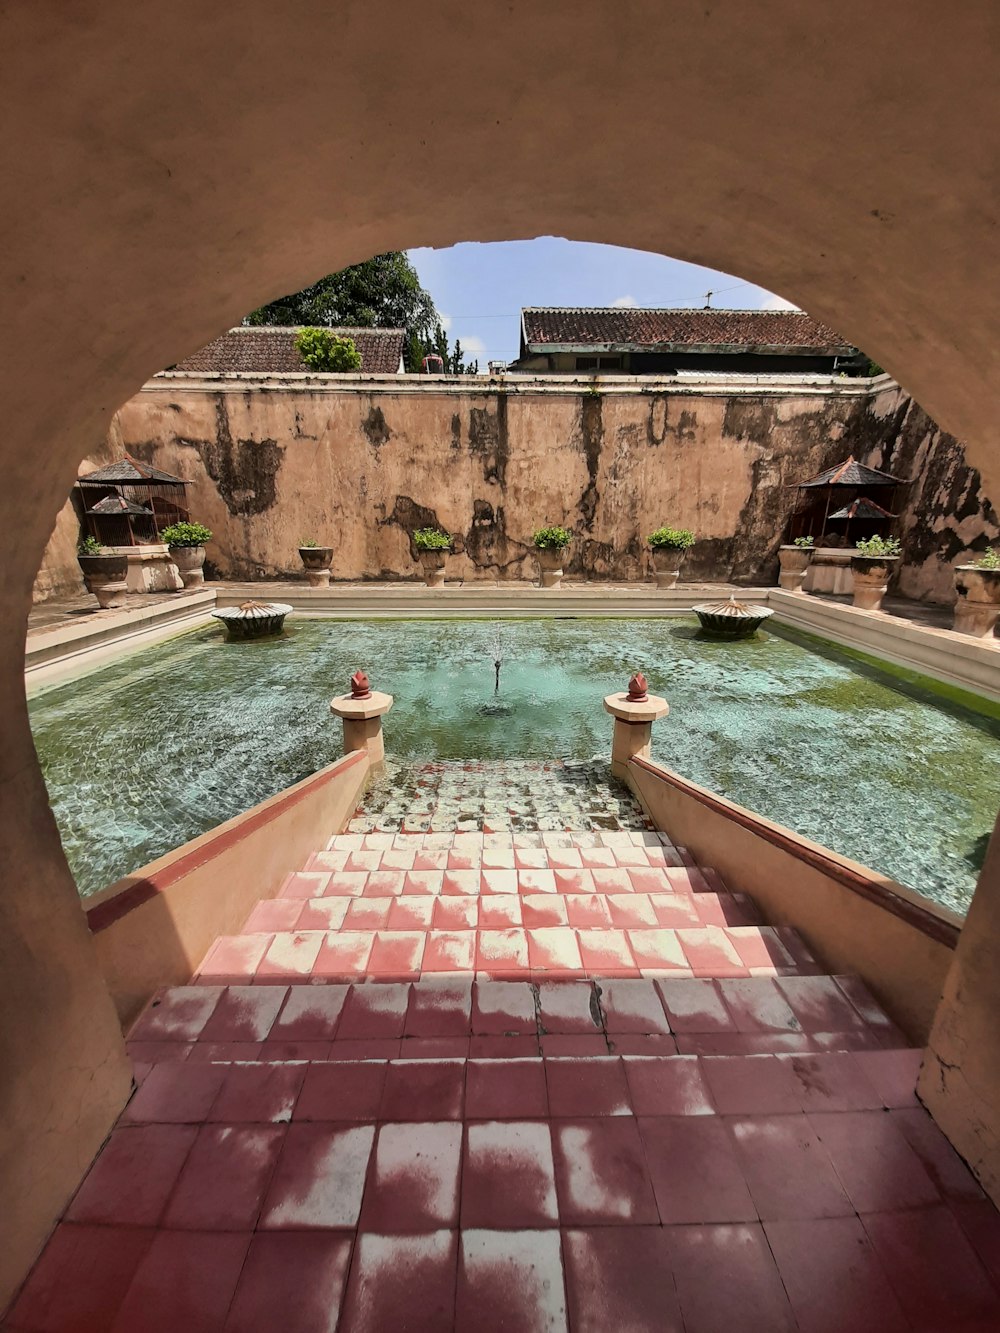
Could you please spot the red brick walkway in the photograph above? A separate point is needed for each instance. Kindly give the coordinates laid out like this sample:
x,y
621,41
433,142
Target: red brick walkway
x,y
546,1082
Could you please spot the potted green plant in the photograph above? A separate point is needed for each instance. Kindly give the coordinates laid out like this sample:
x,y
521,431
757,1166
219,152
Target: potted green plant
x,y
186,544
669,546
550,549
432,546
872,565
105,572
794,561
978,589
316,560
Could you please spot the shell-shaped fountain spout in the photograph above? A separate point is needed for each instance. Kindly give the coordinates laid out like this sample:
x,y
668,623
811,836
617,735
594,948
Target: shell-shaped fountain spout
x,y
253,619
731,619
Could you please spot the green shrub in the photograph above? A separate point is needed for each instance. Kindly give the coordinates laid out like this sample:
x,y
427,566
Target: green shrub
x,y
671,539
186,534
989,559
552,539
803,543
432,539
325,351
308,546
89,546
875,546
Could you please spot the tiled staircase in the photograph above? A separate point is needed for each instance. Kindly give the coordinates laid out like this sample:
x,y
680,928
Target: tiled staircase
x,y
518,1081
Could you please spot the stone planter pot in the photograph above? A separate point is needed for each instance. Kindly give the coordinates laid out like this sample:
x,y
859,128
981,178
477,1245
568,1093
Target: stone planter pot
x,y
978,604
433,563
667,563
316,560
794,561
189,561
550,566
871,579
106,576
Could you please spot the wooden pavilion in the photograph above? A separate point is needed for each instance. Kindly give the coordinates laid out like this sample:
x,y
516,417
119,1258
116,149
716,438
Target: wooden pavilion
x,y
128,503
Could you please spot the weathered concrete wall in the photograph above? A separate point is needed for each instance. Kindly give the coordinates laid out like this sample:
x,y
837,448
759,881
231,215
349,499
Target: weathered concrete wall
x,y
276,463
944,513
358,465
960,1079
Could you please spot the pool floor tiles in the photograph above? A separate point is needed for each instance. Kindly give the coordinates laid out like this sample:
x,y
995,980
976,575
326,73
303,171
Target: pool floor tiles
x,y
726,1140
501,795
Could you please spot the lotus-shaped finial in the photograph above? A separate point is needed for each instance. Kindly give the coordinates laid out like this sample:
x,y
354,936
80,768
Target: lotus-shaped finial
x,y
360,686
638,688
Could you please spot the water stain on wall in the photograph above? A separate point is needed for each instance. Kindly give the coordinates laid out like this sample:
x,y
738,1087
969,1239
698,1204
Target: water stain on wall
x,y
374,426
614,465
591,442
243,470
489,439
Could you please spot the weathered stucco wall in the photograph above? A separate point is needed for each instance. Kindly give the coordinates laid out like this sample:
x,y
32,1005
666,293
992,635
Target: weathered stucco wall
x,y
360,465
358,468
944,512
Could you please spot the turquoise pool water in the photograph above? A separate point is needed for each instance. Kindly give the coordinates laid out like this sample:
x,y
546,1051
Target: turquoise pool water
x,y
154,749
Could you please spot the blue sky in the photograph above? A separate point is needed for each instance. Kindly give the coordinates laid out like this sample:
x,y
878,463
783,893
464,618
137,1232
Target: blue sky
x,y
479,289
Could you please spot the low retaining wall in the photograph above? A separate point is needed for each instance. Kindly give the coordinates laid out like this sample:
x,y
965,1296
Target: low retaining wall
x,y
68,649
153,927
852,918
370,601
957,659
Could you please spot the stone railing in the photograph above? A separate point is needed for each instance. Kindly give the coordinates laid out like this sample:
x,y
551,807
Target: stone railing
x,y
154,927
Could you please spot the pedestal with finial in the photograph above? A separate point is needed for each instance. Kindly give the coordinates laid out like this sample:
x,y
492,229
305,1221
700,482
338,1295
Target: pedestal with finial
x,y
361,712
634,711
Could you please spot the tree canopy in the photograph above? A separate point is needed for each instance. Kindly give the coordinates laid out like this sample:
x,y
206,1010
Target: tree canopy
x,y
382,293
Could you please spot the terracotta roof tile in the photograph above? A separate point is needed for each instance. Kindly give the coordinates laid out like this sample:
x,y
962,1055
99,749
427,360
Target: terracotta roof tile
x,y
625,328
265,350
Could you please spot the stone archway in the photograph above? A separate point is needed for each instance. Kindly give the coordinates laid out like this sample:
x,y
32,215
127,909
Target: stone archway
x,y
169,167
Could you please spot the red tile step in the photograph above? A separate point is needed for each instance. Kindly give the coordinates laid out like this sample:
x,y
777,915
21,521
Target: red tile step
x,y
475,1081
753,1192
447,1014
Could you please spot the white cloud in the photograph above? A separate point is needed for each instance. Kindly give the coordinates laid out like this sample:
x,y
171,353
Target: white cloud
x,y
472,345
625,302
445,321
773,302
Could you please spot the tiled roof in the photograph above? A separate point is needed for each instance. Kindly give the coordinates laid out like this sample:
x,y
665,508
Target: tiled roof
x,y
117,504
624,329
852,473
130,471
863,509
273,351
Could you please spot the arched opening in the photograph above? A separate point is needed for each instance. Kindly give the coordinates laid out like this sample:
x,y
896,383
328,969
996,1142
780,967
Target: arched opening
x,y
163,212
715,441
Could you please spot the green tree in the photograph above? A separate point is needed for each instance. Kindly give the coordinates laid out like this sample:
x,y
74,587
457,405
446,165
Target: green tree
x,y
457,364
382,293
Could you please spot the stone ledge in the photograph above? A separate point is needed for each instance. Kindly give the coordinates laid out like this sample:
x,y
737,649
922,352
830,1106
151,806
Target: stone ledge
x,y
956,659
65,649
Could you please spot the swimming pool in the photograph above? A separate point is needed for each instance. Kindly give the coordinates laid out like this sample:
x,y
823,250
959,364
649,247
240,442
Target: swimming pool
x,y
166,742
